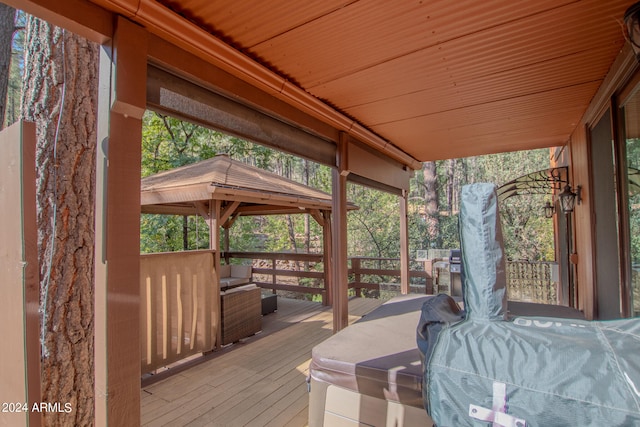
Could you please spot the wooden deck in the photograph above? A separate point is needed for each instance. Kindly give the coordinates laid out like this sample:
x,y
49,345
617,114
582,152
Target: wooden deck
x,y
260,381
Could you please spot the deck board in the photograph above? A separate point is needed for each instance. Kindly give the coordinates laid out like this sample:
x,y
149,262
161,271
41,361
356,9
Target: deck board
x,y
260,381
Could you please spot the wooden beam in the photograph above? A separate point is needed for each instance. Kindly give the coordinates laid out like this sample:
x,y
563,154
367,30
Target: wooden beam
x,y
123,72
202,210
228,210
169,210
229,223
404,244
317,215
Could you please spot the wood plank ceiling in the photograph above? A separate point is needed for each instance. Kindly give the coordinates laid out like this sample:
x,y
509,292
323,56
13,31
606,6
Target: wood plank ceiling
x,y
438,78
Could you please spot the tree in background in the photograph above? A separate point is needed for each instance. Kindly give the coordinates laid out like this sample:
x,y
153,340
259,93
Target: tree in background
x,y
430,185
527,234
8,28
168,143
60,96
373,229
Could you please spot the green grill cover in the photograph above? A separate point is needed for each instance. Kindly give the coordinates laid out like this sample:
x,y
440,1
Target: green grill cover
x,y
490,370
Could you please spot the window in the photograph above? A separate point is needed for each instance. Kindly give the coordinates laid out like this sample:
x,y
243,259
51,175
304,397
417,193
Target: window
x,y
631,196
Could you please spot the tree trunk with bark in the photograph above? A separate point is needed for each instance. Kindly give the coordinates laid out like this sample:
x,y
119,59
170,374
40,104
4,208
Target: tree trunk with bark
x,y
7,27
60,96
430,180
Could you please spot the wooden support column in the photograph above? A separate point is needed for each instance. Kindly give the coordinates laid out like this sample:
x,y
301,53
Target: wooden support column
x,y
214,245
226,220
226,244
122,101
404,244
327,257
339,238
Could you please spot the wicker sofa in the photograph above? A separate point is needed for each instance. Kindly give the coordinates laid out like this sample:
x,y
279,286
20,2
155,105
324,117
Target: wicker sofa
x,y
234,275
241,313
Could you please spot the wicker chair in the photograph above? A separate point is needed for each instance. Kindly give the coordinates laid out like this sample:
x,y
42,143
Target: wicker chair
x,y
241,313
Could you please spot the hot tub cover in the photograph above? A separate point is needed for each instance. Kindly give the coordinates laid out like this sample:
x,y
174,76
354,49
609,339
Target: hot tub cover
x,y
533,371
376,356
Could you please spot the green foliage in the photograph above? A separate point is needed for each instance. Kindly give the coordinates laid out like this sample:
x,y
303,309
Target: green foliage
x,y
373,229
168,143
633,165
527,234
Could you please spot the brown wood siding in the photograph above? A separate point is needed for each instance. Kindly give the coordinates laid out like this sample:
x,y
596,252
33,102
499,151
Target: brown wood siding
x,y
583,245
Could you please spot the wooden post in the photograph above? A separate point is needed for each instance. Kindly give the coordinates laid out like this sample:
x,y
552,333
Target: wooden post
x,y
122,101
327,297
339,235
357,277
428,281
226,244
214,244
404,245
274,267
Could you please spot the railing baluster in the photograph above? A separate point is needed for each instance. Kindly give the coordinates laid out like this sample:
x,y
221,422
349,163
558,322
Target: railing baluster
x,y
194,312
150,329
179,314
165,318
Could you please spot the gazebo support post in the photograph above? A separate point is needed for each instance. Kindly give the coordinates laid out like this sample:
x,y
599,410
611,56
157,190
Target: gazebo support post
x,y
226,244
214,243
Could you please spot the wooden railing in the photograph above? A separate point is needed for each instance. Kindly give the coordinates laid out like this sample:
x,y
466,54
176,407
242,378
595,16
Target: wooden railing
x,y
532,282
378,274
178,311
527,281
274,269
285,271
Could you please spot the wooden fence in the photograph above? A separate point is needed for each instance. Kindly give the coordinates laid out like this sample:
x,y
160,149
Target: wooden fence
x,y
378,274
179,307
526,281
532,282
281,271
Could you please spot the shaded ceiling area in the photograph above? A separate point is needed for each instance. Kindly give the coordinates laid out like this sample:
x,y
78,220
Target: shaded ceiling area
x,y
438,79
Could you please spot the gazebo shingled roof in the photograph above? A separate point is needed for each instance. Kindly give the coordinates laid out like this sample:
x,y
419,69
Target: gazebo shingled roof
x,y
188,189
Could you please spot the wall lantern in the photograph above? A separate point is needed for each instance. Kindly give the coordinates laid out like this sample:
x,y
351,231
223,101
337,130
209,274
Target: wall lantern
x,y
549,210
568,198
632,24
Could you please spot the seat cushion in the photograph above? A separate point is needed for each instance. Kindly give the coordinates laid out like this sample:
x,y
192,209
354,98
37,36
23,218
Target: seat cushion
x,y
229,282
241,271
225,270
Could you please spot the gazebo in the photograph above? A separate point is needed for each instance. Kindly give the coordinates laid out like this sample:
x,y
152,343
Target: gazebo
x,y
221,189
178,288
